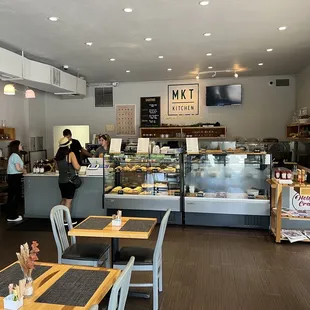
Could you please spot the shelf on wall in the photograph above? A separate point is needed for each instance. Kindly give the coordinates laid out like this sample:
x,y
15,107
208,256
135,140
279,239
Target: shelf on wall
x,y
180,133
8,133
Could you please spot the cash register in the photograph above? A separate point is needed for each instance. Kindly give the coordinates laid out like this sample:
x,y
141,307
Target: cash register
x,y
95,167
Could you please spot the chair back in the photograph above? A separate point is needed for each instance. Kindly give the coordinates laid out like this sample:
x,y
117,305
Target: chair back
x,y
161,236
120,288
57,216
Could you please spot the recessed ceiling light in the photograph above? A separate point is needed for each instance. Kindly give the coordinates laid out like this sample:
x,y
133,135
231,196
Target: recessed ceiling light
x,y
169,69
112,59
282,28
127,71
269,49
207,34
209,54
148,39
89,43
53,19
261,64
128,10
204,2
210,67
160,57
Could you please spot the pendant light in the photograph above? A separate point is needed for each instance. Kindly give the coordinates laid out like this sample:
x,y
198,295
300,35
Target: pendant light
x,y
30,94
9,90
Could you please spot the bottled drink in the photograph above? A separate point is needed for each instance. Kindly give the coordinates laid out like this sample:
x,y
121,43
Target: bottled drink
x,y
41,167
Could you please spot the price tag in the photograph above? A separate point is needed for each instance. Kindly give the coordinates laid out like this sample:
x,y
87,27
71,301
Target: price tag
x,y
143,146
121,192
192,146
155,170
139,170
200,194
115,146
176,193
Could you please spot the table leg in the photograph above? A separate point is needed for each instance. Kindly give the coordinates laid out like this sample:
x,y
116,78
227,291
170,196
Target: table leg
x,y
114,248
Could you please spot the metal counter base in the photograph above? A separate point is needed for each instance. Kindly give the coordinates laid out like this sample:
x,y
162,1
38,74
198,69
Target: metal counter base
x,y
42,194
227,220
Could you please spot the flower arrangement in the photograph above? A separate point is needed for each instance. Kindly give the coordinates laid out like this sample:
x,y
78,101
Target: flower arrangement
x,y
27,257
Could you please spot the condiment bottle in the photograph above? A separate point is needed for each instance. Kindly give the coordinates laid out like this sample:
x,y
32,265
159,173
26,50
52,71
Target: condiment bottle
x,y
289,175
299,175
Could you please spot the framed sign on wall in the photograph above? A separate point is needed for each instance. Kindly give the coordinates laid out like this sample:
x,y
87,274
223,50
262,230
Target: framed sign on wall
x,y
183,99
125,120
150,111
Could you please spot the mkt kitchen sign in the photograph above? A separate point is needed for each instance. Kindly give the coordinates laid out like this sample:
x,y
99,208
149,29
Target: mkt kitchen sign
x,y
183,99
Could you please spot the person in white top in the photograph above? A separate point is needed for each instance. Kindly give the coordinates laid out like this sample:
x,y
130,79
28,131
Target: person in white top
x,y
15,172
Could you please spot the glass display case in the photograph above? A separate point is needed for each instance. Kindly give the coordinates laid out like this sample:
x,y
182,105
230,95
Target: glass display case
x,y
145,183
223,189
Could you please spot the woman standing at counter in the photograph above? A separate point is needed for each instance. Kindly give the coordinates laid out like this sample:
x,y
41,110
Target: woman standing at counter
x,y
104,140
67,165
15,172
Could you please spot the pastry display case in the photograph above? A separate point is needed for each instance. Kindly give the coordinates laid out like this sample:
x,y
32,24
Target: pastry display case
x,y
146,182
223,189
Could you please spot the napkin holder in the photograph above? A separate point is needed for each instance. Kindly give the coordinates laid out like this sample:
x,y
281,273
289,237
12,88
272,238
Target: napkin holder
x,y
116,222
10,304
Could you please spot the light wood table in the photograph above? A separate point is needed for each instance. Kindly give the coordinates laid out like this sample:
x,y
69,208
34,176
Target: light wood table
x,y
113,232
48,278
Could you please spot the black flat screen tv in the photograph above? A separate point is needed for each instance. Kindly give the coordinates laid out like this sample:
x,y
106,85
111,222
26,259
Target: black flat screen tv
x,y
222,95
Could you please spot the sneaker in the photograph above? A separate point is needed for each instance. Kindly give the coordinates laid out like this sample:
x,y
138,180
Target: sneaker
x,y
18,219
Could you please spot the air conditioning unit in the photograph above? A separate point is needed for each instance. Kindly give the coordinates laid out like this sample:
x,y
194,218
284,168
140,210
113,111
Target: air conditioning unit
x,y
14,67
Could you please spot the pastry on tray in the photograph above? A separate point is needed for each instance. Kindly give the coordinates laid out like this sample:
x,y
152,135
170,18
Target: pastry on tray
x,y
146,185
116,189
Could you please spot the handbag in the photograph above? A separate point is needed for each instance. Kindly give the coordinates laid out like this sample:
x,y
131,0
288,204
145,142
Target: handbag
x,y
75,180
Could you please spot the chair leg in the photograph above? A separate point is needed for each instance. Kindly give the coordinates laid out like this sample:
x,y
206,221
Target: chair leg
x,y
155,288
160,278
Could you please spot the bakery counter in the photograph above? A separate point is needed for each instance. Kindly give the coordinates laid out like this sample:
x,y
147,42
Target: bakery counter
x,y
145,206
42,194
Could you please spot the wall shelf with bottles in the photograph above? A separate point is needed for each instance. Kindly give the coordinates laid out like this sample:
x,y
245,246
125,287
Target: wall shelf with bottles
x,y
7,134
180,133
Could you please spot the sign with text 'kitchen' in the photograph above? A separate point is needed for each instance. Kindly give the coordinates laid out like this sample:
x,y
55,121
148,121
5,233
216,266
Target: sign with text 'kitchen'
x,y
183,99
150,111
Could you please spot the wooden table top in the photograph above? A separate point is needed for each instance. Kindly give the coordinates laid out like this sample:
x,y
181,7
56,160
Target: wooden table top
x,y
113,231
47,279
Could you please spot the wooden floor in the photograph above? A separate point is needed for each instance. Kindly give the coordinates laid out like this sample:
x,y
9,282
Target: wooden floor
x,y
209,269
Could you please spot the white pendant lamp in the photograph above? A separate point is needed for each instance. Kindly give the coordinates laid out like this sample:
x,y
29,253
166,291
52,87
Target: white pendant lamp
x,y
9,90
30,94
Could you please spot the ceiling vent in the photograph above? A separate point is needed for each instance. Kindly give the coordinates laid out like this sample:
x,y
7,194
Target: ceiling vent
x,y
104,97
17,68
282,82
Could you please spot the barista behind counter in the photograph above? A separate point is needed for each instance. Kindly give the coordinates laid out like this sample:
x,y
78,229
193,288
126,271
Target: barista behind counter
x,y
76,147
104,147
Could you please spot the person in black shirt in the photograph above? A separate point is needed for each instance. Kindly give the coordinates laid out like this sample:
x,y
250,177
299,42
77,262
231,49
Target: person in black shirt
x,y
76,146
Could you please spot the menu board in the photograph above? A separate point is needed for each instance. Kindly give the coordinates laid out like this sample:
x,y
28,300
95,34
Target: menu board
x,y
150,111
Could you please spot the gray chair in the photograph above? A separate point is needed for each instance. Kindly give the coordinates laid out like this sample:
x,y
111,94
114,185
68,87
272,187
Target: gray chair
x,y
75,253
120,289
146,259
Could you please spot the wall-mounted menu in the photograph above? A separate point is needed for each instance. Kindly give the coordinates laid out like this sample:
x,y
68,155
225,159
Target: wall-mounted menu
x,y
150,111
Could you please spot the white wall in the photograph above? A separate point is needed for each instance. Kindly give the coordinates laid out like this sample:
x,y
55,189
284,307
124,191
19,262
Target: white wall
x,y
303,89
26,116
265,110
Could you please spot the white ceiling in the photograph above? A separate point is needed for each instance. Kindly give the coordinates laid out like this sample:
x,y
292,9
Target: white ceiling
x,y
241,30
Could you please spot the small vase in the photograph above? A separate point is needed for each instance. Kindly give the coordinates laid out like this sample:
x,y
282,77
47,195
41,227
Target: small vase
x,y
28,285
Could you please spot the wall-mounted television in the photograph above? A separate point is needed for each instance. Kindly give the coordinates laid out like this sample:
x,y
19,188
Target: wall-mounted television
x,y
222,95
